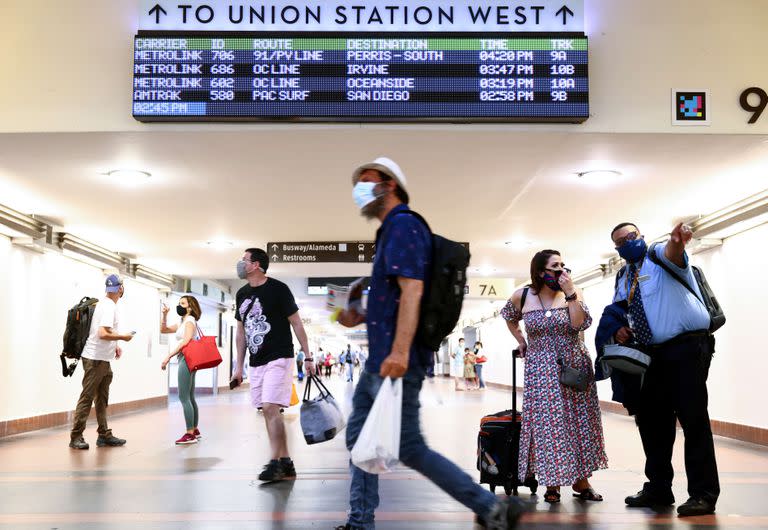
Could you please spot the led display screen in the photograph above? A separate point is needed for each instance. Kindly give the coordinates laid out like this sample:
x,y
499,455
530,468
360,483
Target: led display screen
x,y
360,77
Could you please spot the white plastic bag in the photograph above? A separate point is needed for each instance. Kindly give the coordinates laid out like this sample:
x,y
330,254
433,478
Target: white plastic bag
x,y
377,449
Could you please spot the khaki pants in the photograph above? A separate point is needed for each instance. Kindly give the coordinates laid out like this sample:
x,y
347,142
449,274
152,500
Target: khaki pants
x,y
96,381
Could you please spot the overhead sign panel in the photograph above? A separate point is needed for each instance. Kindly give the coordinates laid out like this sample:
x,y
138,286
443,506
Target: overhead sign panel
x,y
376,16
359,77
321,252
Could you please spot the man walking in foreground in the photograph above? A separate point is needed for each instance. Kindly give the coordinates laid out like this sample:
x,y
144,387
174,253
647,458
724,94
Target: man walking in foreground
x,y
401,269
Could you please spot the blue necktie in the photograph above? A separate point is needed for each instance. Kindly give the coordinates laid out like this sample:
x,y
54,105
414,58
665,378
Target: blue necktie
x,y
638,321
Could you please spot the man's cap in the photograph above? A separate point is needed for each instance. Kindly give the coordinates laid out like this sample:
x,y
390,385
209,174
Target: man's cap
x,y
386,166
113,283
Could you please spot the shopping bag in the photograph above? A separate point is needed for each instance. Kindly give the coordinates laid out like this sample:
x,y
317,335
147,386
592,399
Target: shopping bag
x,y
320,417
377,448
294,395
201,353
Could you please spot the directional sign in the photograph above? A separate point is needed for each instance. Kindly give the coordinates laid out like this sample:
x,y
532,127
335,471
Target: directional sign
x,y
369,16
321,252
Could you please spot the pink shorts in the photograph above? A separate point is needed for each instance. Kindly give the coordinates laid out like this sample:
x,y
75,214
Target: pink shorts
x,y
271,382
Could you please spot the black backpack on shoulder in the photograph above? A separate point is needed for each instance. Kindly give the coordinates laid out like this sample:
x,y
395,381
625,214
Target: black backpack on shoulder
x,y
76,333
442,301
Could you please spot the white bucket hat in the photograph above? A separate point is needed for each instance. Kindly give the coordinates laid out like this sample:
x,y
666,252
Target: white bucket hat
x,y
387,167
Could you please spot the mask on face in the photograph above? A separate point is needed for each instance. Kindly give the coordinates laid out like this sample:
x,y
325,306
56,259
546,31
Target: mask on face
x,y
241,272
181,311
551,281
363,194
633,251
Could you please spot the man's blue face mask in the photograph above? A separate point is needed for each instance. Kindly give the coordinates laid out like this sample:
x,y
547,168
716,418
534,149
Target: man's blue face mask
x,y
633,251
363,193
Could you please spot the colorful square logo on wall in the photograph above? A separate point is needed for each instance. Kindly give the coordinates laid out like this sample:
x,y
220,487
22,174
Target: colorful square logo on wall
x,y
690,107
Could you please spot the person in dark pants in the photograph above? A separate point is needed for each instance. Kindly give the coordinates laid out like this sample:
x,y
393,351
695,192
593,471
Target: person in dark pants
x,y
673,325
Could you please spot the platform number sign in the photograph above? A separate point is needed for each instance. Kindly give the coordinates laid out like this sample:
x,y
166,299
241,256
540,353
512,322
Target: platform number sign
x,y
748,96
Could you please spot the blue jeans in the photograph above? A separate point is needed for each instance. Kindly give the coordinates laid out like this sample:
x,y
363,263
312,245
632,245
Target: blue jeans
x,y
414,453
479,372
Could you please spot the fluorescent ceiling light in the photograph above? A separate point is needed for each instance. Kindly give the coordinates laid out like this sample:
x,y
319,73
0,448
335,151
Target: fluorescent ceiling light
x,y
16,224
218,244
599,175
736,218
69,243
519,243
129,174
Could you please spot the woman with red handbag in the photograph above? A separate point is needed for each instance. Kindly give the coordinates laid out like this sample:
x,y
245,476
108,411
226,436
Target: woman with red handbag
x,y
189,311
481,358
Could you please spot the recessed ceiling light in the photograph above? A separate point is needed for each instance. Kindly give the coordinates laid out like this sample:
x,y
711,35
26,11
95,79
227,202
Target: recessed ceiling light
x,y
519,243
599,174
129,176
220,244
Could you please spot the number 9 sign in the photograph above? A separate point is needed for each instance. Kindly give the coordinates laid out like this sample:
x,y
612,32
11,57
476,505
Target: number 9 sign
x,y
758,109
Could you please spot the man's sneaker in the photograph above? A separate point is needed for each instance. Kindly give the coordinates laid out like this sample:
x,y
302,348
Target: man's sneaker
x,y
197,433
505,514
79,444
111,441
289,470
186,439
272,471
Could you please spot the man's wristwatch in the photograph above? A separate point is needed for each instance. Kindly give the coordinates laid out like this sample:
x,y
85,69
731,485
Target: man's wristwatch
x,y
570,298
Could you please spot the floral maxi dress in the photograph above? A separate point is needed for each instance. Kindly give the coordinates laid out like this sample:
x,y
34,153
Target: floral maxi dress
x,y
561,439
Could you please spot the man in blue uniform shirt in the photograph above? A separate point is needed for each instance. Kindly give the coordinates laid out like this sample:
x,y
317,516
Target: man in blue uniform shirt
x,y
673,324
400,276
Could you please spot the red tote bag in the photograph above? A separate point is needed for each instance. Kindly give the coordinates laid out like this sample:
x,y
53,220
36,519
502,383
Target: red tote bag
x,y
201,353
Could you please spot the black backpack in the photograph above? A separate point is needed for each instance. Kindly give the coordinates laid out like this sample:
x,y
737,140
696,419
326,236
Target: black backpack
x,y
716,314
441,302
76,333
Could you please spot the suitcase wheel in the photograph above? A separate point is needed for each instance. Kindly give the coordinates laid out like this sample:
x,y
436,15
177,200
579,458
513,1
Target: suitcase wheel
x,y
533,484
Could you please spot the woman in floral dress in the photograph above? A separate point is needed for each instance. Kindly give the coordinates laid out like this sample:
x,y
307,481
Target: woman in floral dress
x,y
561,441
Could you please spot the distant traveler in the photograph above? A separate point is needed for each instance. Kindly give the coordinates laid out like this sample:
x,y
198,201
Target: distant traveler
x,y
561,438
265,311
457,365
673,325
469,369
190,312
100,350
349,360
480,361
400,270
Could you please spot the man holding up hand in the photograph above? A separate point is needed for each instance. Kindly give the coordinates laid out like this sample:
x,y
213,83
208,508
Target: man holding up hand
x,y
400,275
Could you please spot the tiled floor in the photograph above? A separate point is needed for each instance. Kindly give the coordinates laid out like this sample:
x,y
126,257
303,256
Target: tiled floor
x,y
152,484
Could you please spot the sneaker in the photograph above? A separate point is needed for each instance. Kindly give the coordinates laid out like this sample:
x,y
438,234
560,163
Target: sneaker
x,y
79,443
272,472
111,440
289,470
186,439
197,433
505,514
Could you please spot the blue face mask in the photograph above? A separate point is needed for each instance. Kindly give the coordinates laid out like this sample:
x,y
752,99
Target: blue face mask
x,y
363,194
633,251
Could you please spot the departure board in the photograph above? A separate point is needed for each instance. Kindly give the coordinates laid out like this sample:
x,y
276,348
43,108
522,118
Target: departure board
x,y
360,77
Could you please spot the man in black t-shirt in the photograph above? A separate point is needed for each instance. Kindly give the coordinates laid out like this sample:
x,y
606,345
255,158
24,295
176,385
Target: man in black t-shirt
x,y
266,311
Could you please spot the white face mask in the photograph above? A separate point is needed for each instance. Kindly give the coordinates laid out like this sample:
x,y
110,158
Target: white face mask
x,y
363,193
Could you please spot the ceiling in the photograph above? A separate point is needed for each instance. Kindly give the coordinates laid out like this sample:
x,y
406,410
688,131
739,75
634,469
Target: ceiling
x,y
485,184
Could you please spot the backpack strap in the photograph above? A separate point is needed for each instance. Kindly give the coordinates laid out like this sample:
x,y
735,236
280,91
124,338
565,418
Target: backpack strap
x,y
619,274
655,259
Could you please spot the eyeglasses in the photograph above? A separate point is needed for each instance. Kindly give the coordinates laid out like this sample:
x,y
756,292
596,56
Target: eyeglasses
x,y
566,269
629,237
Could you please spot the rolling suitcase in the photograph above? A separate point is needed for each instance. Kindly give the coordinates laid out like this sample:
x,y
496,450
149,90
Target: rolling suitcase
x,y
498,446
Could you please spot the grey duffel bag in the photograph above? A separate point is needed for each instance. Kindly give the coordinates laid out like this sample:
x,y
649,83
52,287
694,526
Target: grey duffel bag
x,y
321,418
625,359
